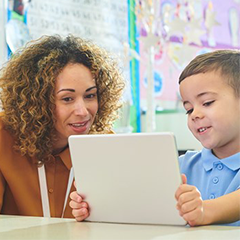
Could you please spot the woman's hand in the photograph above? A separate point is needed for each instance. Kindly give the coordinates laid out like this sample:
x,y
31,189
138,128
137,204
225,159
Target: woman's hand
x,y
79,208
190,203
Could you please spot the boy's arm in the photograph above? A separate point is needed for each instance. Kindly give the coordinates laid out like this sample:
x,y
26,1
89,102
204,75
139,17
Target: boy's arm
x,y
224,209
195,211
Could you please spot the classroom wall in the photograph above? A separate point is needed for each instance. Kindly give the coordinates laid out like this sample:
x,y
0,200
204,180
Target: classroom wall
x,y
177,124
3,20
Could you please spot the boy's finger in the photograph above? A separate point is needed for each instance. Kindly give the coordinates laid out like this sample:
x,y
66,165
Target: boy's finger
x,y
184,179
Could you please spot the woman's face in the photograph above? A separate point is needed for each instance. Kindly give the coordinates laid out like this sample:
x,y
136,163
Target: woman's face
x,y
76,102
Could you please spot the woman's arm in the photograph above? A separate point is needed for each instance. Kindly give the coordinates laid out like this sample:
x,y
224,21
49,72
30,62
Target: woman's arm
x,y
2,188
79,208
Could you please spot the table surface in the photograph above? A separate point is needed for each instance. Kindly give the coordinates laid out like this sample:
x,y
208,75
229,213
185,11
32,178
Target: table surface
x,y
19,227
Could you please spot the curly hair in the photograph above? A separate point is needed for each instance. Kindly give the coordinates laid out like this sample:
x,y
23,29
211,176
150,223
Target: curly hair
x,y
227,61
28,83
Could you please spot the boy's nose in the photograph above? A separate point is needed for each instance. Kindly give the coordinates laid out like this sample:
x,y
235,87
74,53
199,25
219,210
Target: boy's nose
x,y
196,114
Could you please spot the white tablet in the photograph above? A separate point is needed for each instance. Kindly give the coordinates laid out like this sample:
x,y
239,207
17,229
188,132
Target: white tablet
x,y
128,178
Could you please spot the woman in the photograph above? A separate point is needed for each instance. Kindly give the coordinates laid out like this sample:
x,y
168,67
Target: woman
x,y
51,89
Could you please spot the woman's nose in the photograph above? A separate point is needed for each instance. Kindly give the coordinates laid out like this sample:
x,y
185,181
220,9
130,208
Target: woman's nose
x,y
80,108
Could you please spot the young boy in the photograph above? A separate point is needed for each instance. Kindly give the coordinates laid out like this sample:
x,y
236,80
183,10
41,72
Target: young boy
x,y
210,193
210,91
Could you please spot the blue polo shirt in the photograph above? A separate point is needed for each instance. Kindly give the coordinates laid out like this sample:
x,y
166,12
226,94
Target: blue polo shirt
x,y
212,176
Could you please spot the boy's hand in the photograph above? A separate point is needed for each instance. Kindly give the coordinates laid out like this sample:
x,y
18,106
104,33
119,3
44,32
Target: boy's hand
x,y
189,203
79,208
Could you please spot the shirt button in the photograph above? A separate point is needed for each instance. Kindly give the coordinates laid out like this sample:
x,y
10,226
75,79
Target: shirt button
x,y
219,166
215,180
212,196
50,190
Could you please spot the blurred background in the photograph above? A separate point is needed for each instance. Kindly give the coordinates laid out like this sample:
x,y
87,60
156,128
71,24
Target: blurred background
x,y
153,40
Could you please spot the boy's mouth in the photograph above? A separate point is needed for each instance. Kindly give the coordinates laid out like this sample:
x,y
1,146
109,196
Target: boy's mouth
x,y
202,129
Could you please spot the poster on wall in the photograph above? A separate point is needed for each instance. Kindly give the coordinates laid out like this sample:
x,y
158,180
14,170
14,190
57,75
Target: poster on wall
x,y
104,22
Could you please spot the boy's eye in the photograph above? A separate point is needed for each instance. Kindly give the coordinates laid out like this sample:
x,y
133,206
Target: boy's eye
x,y
208,103
189,111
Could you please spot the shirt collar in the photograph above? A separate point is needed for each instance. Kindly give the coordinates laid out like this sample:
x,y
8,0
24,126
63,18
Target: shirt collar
x,y
232,162
65,157
208,159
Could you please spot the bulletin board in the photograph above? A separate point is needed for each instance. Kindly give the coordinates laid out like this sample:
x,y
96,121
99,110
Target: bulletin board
x,y
105,21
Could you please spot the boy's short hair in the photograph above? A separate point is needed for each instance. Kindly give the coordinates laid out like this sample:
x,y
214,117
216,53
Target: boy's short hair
x,y
227,61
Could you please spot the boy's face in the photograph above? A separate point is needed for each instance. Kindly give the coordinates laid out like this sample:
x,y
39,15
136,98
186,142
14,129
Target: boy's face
x,y
213,112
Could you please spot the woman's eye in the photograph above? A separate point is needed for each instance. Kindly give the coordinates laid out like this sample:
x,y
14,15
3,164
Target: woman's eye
x,y
67,99
189,111
208,103
93,95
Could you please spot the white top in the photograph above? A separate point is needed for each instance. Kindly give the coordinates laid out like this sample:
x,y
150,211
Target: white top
x,y
44,192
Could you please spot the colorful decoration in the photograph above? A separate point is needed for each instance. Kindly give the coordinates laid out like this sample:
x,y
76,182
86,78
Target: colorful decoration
x,y
210,22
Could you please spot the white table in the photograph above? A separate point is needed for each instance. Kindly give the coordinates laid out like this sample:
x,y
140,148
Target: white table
x,y
25,228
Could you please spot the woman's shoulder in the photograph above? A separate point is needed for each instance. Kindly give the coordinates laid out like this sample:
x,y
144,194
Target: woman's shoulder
x,y
6,140
1,121
4,133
